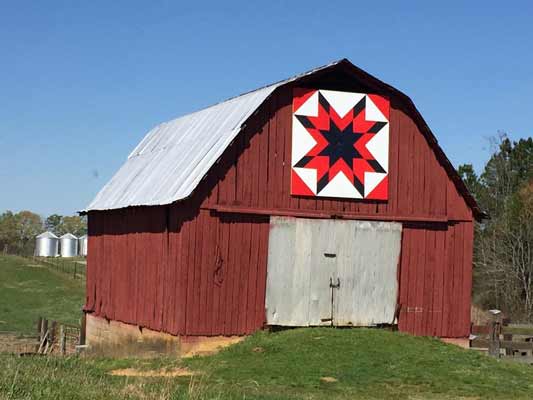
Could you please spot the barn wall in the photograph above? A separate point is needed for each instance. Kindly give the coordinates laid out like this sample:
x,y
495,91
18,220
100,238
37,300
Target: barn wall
x,y
185,279
254,173
436,279
189,280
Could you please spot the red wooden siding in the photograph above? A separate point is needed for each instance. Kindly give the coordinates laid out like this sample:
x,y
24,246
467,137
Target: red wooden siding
x,y
255,173
198,267
436,280
185,280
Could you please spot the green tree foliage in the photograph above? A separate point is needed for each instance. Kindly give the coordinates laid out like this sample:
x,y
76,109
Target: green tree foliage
x,y
8,231
503,257
52,223
470,178
60,225
75,224
18,231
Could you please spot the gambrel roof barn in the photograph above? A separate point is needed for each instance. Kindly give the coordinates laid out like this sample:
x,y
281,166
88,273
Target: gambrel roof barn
x,y
323,199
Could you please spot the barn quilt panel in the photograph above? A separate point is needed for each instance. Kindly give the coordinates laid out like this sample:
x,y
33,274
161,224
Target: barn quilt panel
x,y
340,144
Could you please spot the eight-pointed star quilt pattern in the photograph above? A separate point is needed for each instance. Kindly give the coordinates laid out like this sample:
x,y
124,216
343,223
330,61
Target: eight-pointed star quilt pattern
x,y
340,144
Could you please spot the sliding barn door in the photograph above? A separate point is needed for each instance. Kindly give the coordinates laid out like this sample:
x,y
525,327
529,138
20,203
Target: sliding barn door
x,y
331,272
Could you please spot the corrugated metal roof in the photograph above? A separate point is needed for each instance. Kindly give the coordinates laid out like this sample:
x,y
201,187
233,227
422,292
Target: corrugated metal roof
x,y
173,157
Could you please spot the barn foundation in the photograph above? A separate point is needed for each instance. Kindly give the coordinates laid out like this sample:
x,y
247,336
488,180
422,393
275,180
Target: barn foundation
x,y
117,339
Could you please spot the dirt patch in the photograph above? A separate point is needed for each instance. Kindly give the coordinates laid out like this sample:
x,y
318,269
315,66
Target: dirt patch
x,y
328,379
201,345
167,373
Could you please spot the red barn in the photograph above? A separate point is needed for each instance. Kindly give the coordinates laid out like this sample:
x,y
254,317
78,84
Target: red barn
x,y
323,199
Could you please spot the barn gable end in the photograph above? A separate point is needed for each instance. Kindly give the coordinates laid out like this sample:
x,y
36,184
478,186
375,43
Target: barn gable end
x,y
253,174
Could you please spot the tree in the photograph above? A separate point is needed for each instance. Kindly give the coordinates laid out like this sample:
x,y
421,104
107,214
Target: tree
x,y
75,224
29,226
52,223
18,231
8,231
470,178
503,253
60,225
510,166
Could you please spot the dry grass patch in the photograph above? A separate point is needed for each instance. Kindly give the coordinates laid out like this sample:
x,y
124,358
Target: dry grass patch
x,y
165,373
328,379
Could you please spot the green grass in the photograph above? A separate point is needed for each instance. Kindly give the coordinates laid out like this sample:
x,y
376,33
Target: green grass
x,y
28,290
73,266
367,364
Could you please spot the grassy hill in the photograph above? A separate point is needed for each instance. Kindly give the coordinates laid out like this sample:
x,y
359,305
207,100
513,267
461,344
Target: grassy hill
x,y
29,290
298,364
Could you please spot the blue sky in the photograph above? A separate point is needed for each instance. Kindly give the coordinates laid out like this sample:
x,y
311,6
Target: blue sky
x,y
82,82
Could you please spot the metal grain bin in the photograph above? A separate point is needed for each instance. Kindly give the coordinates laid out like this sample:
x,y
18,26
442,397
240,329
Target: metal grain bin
x,y
46,245
68,245
82,245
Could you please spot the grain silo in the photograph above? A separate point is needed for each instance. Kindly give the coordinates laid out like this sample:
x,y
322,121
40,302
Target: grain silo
x,y
46,245
82,245
69,245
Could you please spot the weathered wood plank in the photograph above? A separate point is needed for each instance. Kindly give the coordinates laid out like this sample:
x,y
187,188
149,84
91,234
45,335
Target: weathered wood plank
x,y
504,344
305,255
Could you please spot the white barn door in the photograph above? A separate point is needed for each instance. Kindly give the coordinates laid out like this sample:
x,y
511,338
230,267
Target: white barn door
x,y
323,272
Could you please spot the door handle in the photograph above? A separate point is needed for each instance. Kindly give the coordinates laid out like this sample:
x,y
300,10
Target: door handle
x,y
334,285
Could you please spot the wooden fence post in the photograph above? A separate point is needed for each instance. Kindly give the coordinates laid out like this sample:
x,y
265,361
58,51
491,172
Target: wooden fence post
x,y
508,337
39,323
494,345
53,328
83,328
44,328
62,340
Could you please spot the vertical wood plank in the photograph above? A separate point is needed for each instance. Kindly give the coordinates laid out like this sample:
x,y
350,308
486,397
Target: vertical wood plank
x,y
272,152
458,281
244,267
252,277
429,280
262,275
440,254
405,267
468,244
419,279
447,315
